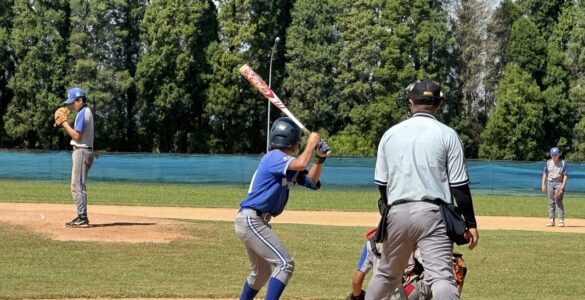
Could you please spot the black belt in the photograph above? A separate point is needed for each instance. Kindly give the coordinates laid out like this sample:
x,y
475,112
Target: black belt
x,y
263,215
258,213
88,148
398,202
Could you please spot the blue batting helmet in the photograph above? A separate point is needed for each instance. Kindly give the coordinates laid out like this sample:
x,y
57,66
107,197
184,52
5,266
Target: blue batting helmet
x,y
284,133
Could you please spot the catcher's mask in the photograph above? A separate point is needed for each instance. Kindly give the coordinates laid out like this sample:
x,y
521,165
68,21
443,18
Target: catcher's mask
x,y
424,92
284,133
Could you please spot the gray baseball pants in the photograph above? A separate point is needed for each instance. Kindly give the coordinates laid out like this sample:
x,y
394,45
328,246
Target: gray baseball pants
x,y
264,249
553,186
411,225
82,161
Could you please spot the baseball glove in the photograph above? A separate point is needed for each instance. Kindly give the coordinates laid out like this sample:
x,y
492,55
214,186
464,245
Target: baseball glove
x,y
61,116
459,269
559,194
362,296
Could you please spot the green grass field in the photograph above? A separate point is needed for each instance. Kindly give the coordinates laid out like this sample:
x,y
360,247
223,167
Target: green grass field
x,y
506,265
357,199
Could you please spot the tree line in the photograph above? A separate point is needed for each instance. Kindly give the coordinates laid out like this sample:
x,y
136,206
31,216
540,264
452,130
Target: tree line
x,y
162,75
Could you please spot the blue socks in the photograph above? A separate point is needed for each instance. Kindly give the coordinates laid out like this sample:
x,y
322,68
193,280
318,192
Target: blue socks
x,y
248,293
275,289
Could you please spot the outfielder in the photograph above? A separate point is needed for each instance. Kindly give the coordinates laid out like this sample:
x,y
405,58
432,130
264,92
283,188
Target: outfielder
x,y
420,161
82,156
267,197
556,173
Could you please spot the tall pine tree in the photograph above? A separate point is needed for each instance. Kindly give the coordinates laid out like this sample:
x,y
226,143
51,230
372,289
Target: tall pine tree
x,y
236,112
472,104
312,51
559,111
172,73
514,130
386,45
575,62
39,38
544,13
6,63
358,25
527,49
498,30
103,47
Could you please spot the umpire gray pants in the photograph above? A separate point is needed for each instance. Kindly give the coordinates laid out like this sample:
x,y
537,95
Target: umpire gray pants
x,y
264,249
82,162
411,225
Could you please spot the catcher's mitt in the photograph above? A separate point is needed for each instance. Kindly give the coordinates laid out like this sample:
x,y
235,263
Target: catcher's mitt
x,y
559,194
61,116
361,296
459,269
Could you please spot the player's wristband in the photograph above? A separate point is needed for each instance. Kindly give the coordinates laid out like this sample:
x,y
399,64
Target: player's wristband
x,y
320,160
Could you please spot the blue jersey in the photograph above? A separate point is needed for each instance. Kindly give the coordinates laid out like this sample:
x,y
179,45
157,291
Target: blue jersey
x,y
268,192
269,188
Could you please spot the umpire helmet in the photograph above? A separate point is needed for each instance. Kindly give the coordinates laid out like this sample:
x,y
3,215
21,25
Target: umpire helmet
x,y
424,92
284,133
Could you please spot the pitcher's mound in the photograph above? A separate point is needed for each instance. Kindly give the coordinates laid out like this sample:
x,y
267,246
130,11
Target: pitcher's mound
x,y
103,228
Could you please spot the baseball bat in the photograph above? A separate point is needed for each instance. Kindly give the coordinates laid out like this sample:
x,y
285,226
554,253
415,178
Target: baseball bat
x,y
265,90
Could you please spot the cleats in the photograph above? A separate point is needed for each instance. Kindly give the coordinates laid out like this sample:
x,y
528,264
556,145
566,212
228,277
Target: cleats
x,y
78,222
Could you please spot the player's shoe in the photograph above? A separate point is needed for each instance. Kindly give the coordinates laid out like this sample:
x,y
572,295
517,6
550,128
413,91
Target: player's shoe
x,y
550,223
561,223
78,222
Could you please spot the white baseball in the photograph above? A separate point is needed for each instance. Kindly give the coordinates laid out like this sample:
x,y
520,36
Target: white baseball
x,y
43,216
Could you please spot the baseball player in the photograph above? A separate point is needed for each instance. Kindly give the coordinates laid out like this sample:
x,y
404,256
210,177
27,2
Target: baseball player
x,y
556,173
370,257
419,162
82,156
267,197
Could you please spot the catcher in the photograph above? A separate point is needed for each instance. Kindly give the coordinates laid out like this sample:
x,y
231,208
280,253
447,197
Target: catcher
x,y
82,156
413,287
556,173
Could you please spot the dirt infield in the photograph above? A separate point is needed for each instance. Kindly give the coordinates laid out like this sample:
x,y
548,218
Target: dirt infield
x,y
139,224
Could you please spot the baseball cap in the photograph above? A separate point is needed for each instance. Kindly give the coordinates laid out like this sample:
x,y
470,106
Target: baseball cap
x,y
424,92
554,151
73,94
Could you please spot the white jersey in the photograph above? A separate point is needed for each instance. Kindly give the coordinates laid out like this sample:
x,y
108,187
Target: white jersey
x,y
420,159
555,171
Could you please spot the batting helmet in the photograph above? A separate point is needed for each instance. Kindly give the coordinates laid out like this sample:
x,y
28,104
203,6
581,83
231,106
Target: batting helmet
x,y
284,133
424,92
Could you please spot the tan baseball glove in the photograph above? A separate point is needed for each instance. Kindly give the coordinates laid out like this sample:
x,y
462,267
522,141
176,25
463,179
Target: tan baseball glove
x,y
559,194
61,116
459,269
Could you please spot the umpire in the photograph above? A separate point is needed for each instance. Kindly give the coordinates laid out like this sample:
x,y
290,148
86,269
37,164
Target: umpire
x,y
420,161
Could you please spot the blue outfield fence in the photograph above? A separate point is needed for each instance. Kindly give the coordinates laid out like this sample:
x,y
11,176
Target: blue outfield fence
x,y
487,177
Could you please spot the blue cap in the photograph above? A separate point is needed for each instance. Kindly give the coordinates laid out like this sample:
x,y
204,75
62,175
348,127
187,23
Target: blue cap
x,y
73,94
554,151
